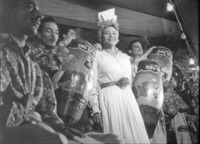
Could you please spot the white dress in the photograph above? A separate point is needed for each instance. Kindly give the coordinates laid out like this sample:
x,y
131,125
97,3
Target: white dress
x,y
119,109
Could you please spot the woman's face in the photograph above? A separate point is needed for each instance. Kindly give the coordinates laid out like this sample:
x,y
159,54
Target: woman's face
x,y
110,36
136,48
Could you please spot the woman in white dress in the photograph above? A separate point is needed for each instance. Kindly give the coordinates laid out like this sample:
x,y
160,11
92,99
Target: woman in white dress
x,y
114,105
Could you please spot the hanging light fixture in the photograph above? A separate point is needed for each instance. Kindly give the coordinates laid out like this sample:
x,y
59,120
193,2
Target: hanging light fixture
x,y
183,36
197,68
191,61
192,66
170,7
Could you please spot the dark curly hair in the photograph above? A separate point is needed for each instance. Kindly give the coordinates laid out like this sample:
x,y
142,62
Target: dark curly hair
x,y
134,41
44,20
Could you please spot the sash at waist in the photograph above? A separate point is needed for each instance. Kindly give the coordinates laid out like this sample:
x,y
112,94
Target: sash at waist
x,y
122,83
108,84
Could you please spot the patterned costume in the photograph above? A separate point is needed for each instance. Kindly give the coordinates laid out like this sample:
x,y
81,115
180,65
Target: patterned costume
x,y
24,88
23,85
48,58
181,123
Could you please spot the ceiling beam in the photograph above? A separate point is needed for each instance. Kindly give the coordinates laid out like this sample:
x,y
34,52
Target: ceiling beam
x,y
131,22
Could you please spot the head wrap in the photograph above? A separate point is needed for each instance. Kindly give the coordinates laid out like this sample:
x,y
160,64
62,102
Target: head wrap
x,y
106,21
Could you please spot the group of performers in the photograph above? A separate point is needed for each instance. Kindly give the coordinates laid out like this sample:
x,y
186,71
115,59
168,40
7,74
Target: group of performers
x,y
63,89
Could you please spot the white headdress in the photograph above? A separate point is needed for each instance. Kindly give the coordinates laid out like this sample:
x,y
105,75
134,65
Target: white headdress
x,y
107,18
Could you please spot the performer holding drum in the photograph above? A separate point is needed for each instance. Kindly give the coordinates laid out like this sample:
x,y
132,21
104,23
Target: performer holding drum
x,y
163,57
148,90
76,80
137,54
158,57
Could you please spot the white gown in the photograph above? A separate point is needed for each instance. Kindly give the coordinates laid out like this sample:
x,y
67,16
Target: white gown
x,y
120,111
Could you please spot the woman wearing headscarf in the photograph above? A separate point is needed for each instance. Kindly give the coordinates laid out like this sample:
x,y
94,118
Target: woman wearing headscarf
x,y
114,105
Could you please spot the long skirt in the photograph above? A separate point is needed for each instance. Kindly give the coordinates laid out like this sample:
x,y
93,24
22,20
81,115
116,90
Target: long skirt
x,y
121,115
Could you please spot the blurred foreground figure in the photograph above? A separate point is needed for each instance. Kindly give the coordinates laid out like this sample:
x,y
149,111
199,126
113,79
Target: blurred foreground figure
x,y
24,87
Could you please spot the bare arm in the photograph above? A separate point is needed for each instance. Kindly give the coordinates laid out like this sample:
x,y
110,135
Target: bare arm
x,y
67,38
144,56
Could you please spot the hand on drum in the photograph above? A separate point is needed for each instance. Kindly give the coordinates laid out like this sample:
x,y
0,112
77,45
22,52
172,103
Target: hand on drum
x,y
72,131
71,34
97,119
84,125
67,38
150,49
144,56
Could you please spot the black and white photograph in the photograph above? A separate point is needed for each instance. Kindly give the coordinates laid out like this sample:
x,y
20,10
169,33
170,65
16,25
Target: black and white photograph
x,y
99,72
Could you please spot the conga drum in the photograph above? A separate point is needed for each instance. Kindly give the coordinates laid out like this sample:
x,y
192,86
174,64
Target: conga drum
x,y
148,90
75,79
163,57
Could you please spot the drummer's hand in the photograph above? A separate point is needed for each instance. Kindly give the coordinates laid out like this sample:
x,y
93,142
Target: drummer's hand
x,y
144,56
86,126
32,117
83,125
67,38
72,130
97,119
71,34
150,49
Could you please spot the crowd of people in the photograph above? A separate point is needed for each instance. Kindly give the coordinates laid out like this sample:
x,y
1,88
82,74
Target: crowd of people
x,y
30,57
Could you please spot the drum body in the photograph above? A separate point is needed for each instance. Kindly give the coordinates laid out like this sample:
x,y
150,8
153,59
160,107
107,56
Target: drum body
x,y
75,79
148,90
163,57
